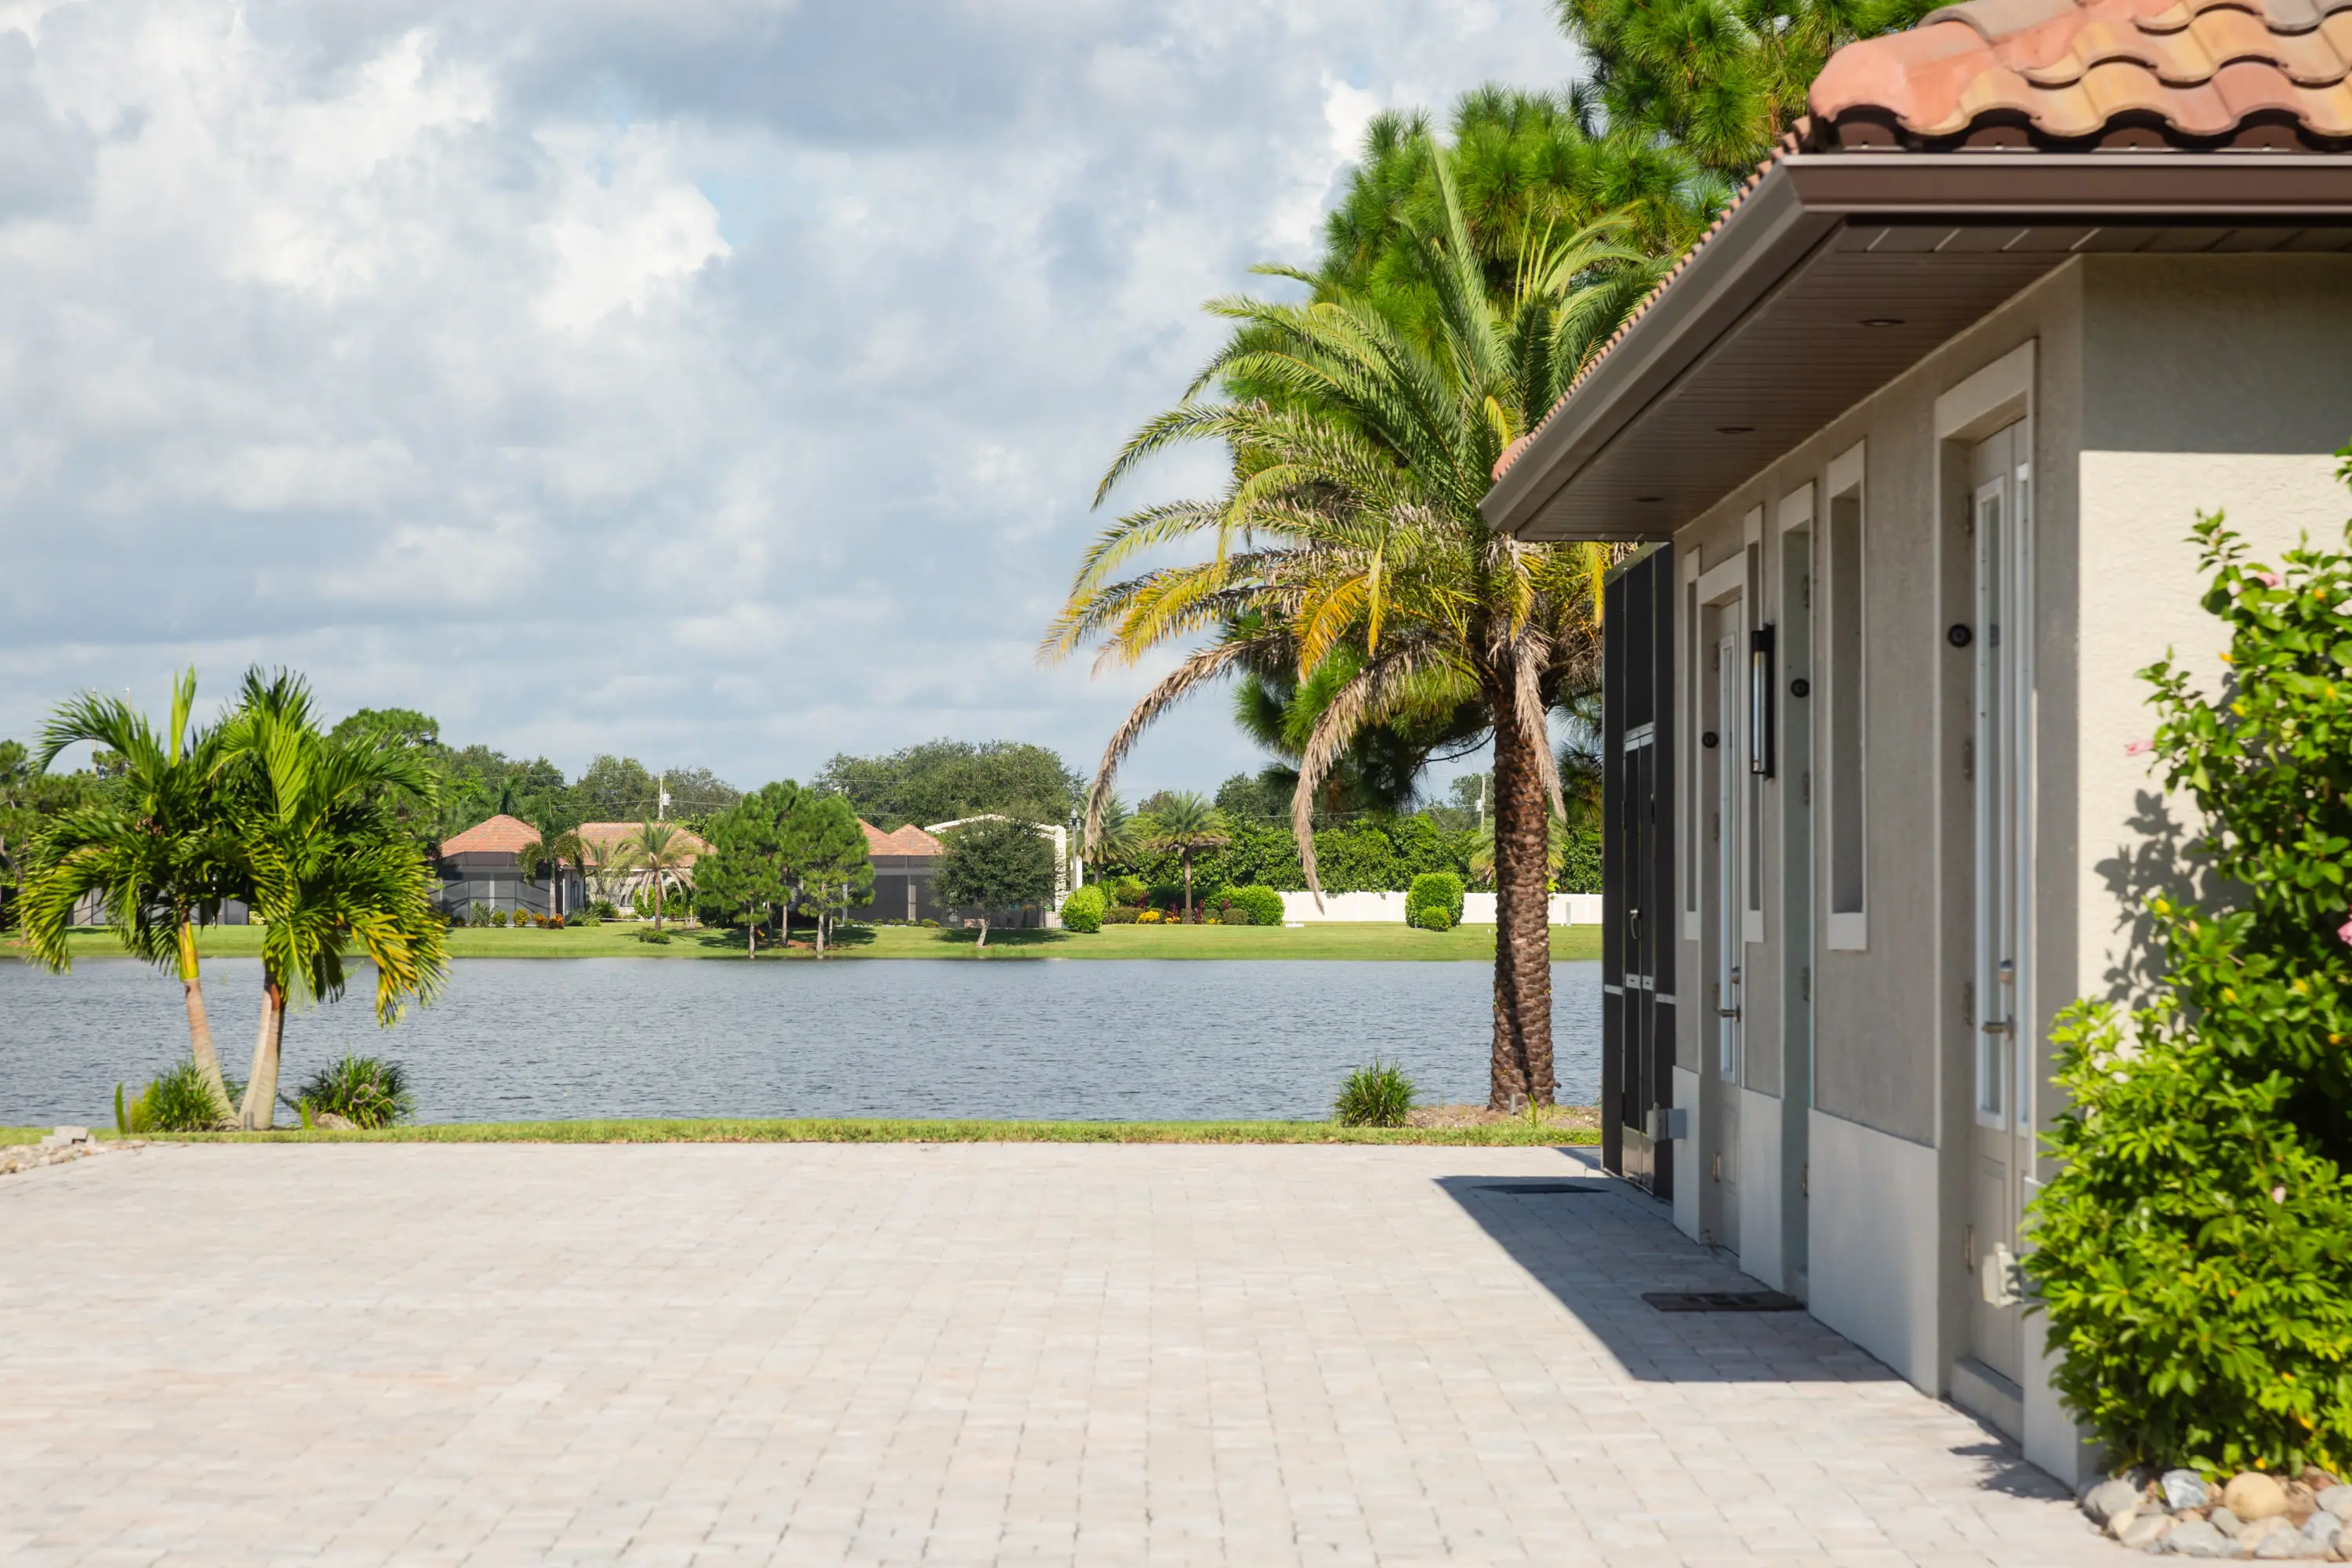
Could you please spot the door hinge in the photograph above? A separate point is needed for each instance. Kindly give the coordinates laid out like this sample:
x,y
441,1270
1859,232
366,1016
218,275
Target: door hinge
x,y
1714,826
1805,786
1805,590
1969,1248
1968,1002
1805,1179
1969,759
1805,982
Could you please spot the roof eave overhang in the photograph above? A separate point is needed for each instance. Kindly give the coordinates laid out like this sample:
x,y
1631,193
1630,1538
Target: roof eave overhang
x,y
1805,196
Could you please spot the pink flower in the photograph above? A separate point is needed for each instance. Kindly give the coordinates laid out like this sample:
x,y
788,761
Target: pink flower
x,y
2269,579
2138,748
2344,932
2278,1194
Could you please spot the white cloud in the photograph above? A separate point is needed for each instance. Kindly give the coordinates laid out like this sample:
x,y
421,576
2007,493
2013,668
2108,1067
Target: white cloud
x,y
718,381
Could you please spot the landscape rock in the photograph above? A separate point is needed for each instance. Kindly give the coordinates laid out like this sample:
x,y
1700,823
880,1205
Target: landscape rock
x,y
334,1123
2336,1501
2109,1499
64,1144
2323,1531
2197,1538
2224,1520
2250,1495
2143,1528
2185,1489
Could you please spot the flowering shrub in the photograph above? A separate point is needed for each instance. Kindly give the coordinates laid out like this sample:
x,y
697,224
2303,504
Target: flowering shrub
x,y
1147,917
2192,1254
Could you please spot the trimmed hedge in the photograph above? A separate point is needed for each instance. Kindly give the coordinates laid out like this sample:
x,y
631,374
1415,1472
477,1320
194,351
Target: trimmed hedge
x,y
1083,909
1434,901
1252,905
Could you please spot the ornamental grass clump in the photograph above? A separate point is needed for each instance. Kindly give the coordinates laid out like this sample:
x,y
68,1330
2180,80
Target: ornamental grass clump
x,y
366,1091
2194,1254
180,1100
1379,1095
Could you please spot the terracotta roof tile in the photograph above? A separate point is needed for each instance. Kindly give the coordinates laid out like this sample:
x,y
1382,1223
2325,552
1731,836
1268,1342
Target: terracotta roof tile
x,y
908,840
502,834
2074,73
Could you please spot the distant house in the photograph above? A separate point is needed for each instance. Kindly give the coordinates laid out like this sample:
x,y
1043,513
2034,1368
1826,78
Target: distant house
x,y
905,862
483,866
1048,914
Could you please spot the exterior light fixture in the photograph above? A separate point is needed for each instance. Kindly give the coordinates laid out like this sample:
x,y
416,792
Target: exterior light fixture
x,y
1881,320
1647,500
1735,429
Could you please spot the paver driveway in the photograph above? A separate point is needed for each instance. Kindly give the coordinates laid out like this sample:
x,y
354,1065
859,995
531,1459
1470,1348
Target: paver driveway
x,y
823,1354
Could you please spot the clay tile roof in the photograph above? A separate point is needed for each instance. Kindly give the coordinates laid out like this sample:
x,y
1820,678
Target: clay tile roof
x,y
2202,74
907,840
602,837
502,834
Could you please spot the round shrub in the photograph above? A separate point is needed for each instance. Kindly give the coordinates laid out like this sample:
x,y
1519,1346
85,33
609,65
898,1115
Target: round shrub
x,y
1083,909
1379,1095
1253,905
1434,892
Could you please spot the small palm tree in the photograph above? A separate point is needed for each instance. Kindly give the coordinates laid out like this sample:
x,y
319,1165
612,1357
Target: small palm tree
x,y
1187,823
327,866
662,854
155,850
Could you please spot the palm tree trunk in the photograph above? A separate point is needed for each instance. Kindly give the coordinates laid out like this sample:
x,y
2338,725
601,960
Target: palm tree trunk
x,y
261,1089
200,1028
1188,887
1521,1067
820,930
983,932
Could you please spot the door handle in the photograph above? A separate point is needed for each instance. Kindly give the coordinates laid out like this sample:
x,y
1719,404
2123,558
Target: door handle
x,y
1727,1012
1999,1026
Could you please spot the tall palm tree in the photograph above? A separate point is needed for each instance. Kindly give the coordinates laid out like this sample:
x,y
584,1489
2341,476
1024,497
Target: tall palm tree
x,y
154,849
553,850
1351,528
662,854
1187,823
328,866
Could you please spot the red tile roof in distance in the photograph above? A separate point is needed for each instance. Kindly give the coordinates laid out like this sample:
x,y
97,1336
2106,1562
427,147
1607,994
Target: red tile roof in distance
x,y
2067,76
502,834
602,837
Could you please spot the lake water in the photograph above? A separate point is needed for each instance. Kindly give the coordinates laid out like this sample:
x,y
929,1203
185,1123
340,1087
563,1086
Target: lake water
x,y
528,1039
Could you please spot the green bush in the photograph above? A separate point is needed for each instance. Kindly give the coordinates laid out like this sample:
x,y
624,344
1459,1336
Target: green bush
x,y
479,915
1120,915
604,910
1434,901
1083,909
497,917
1252,905
178,1101
653,934
2189,1253
366,1091
1375,1096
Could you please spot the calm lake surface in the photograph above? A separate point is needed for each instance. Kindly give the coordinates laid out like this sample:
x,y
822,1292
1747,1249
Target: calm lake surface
x,y
531,1039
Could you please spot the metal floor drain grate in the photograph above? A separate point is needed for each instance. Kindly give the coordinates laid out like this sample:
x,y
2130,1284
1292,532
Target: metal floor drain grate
x,y
1722,1301
1544,1189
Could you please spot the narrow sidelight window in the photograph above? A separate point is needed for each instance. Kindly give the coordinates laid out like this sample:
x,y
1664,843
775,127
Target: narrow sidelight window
x,y
1847,822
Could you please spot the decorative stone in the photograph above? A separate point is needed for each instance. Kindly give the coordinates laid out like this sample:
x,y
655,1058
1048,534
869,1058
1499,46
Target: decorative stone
x,y
2197,1538
2322,1530
2224,1520
2109,1499
2336,1501
2143,1528
2251,1495
2283,1543
2185,1489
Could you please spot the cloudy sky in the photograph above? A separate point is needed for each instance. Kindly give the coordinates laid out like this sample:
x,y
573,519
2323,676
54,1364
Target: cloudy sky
x,y
716,381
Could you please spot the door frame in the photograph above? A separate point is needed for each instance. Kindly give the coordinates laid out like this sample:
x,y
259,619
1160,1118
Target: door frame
x,y
1722,782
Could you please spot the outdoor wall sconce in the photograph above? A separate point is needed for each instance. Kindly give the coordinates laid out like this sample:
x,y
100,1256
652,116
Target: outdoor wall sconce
x,y
1760,701
1960,635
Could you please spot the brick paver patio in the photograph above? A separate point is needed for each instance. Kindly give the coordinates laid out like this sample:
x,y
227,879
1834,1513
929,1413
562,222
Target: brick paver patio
x,y
823,1354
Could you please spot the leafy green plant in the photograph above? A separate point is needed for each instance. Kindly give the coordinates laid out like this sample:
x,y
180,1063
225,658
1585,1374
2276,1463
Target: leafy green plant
x,y
366,1091
2189,1253
654,935
182,1099
1434,901
1120,915
1083,909
1378,1095
1253,905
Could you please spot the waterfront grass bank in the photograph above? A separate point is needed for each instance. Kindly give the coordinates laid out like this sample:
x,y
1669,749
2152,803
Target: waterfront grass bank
x,y
1568,1125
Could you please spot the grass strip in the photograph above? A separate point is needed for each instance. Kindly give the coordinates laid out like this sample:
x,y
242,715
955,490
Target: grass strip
x,y
856,1130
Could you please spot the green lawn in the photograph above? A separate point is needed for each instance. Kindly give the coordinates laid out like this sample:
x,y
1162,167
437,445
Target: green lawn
x,y
845,1131
1368,939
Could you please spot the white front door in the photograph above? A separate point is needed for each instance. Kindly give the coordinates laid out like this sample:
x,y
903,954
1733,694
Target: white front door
x,y
2001,763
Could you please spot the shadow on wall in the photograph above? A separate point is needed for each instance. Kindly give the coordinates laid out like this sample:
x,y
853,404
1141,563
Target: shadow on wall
x,y
2158,860
1597,1250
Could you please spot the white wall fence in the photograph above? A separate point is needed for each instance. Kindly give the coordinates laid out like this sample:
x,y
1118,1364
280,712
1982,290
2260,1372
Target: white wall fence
x,y
1477,908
